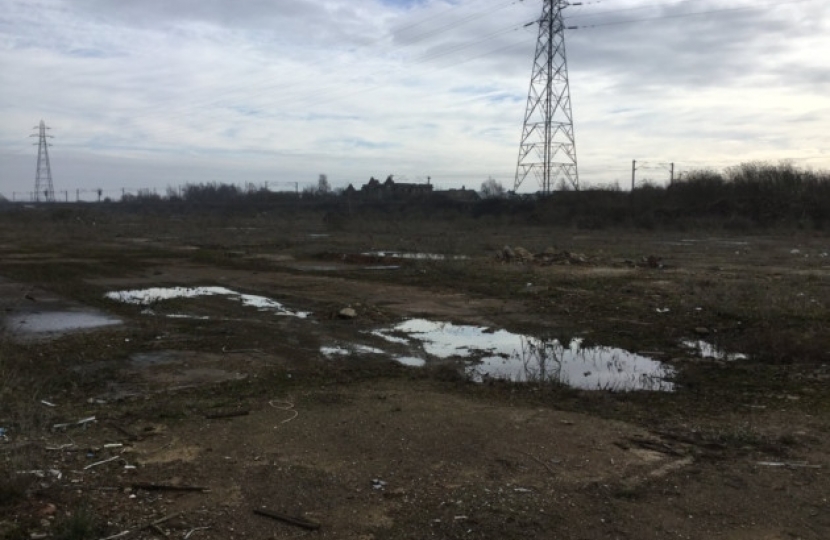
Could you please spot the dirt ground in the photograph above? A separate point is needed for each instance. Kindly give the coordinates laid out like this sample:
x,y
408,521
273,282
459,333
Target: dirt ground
x,y
207,408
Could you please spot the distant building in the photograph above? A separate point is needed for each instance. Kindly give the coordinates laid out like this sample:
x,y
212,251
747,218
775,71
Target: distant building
x,y
390,190
460,195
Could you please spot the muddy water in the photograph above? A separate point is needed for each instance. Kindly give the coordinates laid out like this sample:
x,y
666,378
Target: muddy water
x,y
58,322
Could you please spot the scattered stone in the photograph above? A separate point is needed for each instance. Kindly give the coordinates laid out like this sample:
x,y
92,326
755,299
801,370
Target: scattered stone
x,y
395,493
347,313
523,255
548,257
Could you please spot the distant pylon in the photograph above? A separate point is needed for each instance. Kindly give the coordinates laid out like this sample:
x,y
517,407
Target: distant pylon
x,y
548,149
44,190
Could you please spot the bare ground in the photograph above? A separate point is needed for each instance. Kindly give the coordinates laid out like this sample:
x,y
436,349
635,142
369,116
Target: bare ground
x,y
367,448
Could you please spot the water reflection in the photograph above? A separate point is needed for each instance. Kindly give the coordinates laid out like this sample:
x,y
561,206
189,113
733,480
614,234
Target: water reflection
x,y
59,321
588,368
499,354
704,349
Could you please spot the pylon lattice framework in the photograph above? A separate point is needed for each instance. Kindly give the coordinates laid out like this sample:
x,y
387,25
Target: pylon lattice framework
x,y
548,148
44,190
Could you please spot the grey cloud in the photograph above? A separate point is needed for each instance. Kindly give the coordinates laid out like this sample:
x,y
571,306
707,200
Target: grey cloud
x,y
697,51
311,22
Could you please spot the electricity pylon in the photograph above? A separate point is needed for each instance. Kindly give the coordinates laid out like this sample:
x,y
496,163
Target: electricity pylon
x,y
548,149
43,177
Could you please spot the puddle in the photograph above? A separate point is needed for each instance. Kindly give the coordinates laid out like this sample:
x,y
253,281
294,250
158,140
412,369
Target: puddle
x,y
500,354
319,268
412,256
55,322
411,361
704,349
350,349
153,295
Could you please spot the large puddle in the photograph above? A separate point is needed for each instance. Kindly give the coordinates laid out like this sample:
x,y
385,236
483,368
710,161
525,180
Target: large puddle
x,y
498,354
57,322
153,295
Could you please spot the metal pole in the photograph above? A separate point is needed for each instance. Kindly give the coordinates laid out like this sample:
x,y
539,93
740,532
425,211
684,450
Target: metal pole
x,y
633,173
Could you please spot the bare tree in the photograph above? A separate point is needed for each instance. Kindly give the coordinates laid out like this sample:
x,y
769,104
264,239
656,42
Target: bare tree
x,y
323,186
492,189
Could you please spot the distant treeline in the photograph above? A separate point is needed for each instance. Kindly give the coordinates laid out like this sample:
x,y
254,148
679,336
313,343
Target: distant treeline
x,y
751,195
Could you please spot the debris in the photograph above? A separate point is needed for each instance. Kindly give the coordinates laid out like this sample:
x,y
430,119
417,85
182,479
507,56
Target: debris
x,y
790,465
378,483
299,522
67,446
522,490
663,310
193,530
347,313
44,473
48,403
284,406
91,465
226,414
113,445
166,487
702,331
83,422
124,534
3,436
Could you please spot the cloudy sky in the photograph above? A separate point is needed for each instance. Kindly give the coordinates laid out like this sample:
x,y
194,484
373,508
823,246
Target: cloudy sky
x,y
157,93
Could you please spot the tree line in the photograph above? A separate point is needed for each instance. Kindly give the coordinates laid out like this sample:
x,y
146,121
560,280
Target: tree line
x,y
750,195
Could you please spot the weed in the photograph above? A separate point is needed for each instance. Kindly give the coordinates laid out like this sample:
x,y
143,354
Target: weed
x,y
13,486
82,524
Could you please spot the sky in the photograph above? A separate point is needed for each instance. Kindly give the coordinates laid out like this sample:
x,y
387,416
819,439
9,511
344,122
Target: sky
x,y
153,94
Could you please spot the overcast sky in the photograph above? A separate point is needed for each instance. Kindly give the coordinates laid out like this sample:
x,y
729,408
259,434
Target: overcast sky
x,y
157,93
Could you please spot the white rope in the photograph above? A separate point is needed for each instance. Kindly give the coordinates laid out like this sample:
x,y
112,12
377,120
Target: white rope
x,y
284,406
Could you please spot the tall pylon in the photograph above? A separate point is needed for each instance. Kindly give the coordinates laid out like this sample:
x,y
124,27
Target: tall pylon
x,y
44,190
548,148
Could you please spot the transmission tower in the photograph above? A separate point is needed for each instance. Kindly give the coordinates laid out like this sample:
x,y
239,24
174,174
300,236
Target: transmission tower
x,y
548,149
44,190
